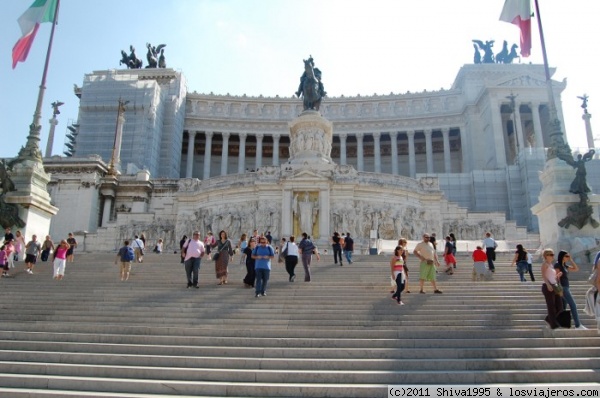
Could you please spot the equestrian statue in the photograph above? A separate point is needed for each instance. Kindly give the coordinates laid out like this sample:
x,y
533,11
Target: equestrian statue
x,y
311,87
131,60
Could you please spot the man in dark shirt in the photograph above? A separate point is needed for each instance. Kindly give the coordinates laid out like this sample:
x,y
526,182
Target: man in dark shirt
x,y
269,237
348,247
8,236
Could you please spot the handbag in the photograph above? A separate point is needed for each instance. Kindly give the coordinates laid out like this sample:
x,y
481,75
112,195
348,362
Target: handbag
x,y
557,289
563,318
216,256
283,254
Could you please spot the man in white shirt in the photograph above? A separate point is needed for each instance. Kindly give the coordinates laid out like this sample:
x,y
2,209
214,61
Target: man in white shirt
x,y
490,246
194,251
426,254
138,248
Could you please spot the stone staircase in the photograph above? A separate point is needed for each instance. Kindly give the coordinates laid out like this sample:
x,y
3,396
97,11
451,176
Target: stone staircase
x,y
91,335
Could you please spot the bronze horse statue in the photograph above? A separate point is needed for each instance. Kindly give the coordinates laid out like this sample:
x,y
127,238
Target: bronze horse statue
x,y
311,87
131,61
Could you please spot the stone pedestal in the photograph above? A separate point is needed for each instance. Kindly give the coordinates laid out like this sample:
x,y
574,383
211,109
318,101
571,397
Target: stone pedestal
x,y
32,197
553,206
310,139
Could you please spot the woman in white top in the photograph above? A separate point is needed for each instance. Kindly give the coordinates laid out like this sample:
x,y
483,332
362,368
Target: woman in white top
x,y
291,258
553,300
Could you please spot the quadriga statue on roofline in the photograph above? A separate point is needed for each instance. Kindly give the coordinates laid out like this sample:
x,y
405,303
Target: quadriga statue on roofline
x,y
153,57
131,60
311,87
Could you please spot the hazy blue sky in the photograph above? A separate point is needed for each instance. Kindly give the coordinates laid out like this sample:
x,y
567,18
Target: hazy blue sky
x,y
256,47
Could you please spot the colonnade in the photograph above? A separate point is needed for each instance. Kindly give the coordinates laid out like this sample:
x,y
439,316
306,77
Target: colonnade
x,y
343,156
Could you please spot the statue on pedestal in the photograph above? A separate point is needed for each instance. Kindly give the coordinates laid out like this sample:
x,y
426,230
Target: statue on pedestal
x,y
311,87
9,212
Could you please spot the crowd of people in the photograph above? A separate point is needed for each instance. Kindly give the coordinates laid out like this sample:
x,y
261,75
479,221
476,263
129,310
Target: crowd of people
x,y
257,252
14,249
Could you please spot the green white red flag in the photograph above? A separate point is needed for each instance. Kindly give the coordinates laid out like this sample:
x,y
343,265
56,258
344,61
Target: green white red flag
x,y
518,12
40,11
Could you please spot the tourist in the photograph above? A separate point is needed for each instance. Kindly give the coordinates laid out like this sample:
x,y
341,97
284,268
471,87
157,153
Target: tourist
x,y
138,248
348,247
60,259
10,250
592,302
433,240
194,251
291,258
530,266
250,272
72,245
403,243
243,244
490,250
19,244
32,251
4,261
262,255
143,239
8,235
125,256
453,241
426,253
564,265
479,264
159,247
306,248
209,242
520,261
269,237
47,248
550,289
336,244
182,241
449,258
223,253
397,268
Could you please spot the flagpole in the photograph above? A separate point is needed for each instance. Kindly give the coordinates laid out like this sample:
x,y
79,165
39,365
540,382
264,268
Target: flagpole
x,y
31,151
557,142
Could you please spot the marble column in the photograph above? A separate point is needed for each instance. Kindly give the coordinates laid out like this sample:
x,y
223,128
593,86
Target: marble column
x,y
360,161
496,138
588,129
465,152
429,150
190,154
259,142
537,125
343,138
207,153
447,161
242,154
324,213
519,128
412,163
377,143
276,150
394,143
224,153
286,213
50,143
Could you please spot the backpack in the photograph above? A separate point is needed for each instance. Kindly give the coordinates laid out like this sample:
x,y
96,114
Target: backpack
x,y
128,256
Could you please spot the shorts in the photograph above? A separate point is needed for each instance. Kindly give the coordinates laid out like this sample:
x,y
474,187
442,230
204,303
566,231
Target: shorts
x,y
125,266
426,271
449,259
30,258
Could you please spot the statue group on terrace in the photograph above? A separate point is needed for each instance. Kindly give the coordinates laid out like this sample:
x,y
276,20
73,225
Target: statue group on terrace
x,y
503,57
155,57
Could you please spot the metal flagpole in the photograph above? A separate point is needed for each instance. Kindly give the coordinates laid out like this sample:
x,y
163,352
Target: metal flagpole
x,y
557,142
31,150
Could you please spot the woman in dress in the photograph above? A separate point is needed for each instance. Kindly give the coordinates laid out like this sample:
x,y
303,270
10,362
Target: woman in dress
x,y
554,302
223,253
565,264
250,272
19,244
403,243
453,241
449,256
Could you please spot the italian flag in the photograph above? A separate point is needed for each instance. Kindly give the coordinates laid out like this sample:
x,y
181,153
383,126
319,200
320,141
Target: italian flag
x,y
39,12
518,12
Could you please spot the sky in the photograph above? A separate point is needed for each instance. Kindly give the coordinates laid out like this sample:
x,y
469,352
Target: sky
x,y
256,47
